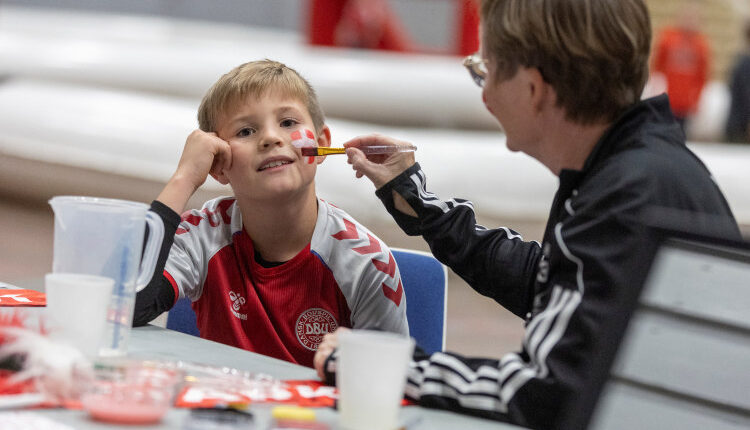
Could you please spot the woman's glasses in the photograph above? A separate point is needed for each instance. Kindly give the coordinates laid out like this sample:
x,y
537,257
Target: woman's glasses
x,y
477,67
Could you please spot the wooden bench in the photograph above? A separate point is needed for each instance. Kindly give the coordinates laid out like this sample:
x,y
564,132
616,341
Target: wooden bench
x,y
684,361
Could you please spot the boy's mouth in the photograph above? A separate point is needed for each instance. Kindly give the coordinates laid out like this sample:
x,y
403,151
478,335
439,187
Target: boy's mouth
x,y
274,162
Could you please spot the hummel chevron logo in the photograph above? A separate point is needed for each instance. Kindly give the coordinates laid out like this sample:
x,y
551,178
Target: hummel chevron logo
x,y
387,268
349,233
371,248
394,296
221,212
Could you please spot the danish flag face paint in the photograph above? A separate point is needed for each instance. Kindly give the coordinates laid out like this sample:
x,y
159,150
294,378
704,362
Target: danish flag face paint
x,y
302,139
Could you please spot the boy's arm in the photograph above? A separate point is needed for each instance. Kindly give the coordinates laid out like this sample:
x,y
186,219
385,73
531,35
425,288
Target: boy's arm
x,y
381,301
204,154
158,296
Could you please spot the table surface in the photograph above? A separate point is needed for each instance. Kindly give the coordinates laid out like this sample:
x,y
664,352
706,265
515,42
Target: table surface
x,y
157,342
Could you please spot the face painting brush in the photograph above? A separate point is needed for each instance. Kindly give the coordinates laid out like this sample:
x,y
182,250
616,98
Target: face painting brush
x,y
368,150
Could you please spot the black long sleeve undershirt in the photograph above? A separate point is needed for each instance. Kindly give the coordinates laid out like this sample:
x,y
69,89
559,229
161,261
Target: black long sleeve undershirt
x,y
158,296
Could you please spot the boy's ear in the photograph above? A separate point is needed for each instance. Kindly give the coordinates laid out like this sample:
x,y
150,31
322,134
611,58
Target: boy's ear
x,y
221,177
324,139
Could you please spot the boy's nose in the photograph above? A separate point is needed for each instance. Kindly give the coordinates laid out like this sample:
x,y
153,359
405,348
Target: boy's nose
x,y
271,138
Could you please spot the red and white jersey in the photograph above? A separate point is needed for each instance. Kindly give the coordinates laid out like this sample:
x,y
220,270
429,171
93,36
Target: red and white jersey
x,y
345,277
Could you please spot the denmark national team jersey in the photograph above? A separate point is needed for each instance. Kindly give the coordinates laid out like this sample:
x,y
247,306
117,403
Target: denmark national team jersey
x,y
345,277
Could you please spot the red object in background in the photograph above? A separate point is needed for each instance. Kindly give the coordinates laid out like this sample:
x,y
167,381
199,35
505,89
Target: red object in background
x,y
324,16
372,24
682,56
367,24
468,40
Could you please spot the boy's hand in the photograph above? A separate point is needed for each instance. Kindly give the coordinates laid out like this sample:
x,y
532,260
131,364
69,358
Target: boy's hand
x,y
204,154
379,168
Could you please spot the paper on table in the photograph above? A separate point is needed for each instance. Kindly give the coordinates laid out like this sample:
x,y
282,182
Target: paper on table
x,y
20,297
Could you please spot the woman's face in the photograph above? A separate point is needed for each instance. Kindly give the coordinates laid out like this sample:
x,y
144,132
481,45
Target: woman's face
x,y
508,100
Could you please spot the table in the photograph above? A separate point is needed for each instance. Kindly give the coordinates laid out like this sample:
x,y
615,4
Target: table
x,y
158,342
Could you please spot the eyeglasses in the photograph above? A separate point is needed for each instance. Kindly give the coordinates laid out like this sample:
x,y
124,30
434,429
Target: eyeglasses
x,y
477,67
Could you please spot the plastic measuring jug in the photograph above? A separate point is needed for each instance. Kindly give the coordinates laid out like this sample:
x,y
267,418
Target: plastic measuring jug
x,y
104,237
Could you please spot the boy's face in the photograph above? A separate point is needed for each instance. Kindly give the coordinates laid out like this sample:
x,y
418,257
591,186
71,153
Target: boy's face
x,y
265,165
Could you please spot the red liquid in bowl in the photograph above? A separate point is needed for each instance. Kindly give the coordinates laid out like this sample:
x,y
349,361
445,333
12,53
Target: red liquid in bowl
x,y
141,398
106,408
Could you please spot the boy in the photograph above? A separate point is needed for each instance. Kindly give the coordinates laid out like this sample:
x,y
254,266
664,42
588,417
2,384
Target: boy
x,y
274,268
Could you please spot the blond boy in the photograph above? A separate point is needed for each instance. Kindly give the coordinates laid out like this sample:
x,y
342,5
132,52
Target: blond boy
x,y
273,268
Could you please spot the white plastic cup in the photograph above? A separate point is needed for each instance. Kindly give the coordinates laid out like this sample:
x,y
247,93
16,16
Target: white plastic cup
x,y
370,377
77,307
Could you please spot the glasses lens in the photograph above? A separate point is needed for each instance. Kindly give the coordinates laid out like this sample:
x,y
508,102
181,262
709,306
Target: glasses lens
x,y
477,68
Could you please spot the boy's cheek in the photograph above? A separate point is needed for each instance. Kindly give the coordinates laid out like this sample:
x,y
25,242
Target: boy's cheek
x,y
302,139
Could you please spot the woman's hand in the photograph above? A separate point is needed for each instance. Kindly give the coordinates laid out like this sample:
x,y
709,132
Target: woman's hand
x,y
379,168
330,342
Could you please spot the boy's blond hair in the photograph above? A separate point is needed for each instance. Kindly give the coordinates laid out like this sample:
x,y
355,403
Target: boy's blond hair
x,y
594,53
254,79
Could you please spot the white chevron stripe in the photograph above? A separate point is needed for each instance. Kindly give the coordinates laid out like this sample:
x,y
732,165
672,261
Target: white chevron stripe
x,y
569,255
433,200
460,367
550,317
473,402
541,318
538,368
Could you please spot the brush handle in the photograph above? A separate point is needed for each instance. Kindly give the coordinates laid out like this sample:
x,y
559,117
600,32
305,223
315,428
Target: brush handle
x,y
372,149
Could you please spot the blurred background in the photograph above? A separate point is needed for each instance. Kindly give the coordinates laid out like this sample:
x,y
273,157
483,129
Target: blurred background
x,y
97,97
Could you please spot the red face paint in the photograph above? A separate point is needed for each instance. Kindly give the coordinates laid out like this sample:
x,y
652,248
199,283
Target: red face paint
x,y
300,140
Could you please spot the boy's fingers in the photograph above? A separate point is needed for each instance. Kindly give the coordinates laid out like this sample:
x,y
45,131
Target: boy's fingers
x,y
226,156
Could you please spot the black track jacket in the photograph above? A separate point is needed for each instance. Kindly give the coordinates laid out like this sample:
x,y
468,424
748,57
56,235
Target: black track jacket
x,y
567,286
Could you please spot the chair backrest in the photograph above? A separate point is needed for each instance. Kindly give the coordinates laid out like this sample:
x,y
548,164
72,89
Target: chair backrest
x,y
182,318
684,360
425,282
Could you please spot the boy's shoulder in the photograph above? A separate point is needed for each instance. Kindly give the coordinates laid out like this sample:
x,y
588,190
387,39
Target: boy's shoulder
x,y
337,231
213,213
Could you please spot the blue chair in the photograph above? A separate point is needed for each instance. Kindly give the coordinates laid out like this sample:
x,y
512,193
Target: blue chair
x,y
182,318
425,282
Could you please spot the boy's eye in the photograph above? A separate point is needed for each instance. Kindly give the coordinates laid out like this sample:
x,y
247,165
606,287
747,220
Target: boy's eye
x,y
289,122
245,132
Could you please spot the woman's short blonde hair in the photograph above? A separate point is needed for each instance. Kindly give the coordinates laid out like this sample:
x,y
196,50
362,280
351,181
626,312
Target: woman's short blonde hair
x,y
255,79
594,53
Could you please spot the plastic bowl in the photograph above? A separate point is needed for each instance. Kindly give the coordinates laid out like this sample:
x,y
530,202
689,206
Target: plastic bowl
x,y
131,393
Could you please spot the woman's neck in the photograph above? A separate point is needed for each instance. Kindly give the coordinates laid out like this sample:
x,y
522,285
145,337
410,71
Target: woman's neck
x,y
570,145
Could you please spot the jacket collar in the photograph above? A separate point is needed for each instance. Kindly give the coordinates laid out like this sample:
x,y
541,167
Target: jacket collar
x,y
627,128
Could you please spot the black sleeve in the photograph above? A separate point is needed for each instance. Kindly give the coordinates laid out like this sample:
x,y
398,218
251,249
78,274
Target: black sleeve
x,y
497,263
158,296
